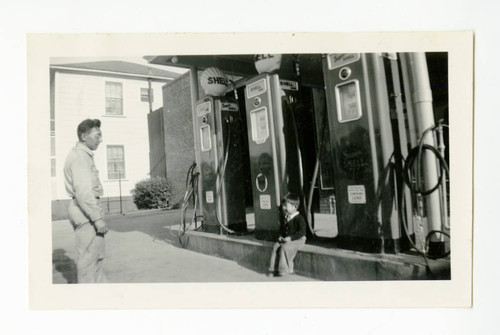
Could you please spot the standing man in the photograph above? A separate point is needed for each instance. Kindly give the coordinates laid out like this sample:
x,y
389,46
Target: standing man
x,y
85,212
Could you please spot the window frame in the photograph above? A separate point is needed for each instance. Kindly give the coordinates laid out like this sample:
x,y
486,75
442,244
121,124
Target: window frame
x,y
113,173
112,98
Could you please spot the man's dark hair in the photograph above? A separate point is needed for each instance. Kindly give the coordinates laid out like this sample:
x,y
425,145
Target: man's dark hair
x,y
86,125
292,199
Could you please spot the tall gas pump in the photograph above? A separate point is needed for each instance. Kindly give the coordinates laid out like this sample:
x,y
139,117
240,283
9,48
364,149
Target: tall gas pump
x,y
219,129
363,145
275,162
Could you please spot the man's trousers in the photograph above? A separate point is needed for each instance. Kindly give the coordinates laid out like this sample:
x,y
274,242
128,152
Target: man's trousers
x,y
90,248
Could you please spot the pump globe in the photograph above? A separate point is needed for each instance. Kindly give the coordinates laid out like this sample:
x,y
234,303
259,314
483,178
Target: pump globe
x,y
214,82
267,63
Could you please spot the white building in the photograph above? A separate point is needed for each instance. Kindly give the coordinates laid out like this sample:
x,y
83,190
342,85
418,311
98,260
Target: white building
x,y
120,94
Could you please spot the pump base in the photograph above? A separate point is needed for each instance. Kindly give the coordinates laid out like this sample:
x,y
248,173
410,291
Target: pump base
x,y
390,246
210,228
239,227
436,249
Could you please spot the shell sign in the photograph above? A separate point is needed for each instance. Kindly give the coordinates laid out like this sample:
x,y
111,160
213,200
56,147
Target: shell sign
x,y
267,62
214,82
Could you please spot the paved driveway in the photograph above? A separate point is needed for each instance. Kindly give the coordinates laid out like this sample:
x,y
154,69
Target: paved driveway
x,y
140,248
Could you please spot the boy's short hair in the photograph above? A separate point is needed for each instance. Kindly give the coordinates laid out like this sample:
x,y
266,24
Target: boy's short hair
x,y
86,125
292,199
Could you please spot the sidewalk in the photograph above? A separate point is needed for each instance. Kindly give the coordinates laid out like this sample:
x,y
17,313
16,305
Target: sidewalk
x,y
140,248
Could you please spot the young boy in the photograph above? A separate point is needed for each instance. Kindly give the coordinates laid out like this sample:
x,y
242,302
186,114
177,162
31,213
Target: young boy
x,y
292,237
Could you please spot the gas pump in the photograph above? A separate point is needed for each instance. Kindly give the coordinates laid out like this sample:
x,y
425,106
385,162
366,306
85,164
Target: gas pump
x,y
362,141
222,198
275,162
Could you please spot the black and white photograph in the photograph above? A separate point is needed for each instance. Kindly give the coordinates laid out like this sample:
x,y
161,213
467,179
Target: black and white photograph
x,y
290,168
247,167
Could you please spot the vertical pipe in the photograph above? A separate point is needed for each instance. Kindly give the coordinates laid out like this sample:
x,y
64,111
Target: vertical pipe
x,y
388,217
412,128
120,187
424,116
403,139
442,188
149,95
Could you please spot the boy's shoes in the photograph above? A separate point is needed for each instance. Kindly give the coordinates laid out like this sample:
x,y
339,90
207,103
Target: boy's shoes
x,y
270,274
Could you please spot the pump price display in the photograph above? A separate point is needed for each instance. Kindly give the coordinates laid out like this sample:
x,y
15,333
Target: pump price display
x,y
348,101
356,194
260,127
206,142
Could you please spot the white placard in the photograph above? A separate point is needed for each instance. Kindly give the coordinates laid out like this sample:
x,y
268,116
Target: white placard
x,y
338,60
229,106
356,194
265,201
204,108
209,197
256,88
289,85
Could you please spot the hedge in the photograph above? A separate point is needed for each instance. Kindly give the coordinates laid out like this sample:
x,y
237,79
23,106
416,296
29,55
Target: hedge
x,y
152,193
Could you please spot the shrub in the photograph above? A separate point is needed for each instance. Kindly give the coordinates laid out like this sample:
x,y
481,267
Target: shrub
x,y
152,193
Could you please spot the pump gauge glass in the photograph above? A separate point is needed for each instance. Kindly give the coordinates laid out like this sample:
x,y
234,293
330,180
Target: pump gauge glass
x,y
206,142
348,101
260,125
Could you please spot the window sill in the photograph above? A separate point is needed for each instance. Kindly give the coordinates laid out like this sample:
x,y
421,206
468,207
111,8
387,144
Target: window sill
x,y
116,116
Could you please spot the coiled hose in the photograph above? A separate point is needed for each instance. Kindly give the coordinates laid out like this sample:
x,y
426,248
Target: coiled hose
x,y
191,192
415,156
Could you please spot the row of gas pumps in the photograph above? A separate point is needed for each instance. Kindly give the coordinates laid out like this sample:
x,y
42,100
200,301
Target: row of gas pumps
x,y
390,175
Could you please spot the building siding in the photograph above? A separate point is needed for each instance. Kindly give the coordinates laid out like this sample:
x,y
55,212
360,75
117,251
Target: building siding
x,y
82,95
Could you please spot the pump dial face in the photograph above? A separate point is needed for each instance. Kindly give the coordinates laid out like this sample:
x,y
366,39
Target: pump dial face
x,y
344,73
261,182
256,102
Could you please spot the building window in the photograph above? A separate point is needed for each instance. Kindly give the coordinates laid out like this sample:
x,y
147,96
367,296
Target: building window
x,y
114,98
146,93
116,162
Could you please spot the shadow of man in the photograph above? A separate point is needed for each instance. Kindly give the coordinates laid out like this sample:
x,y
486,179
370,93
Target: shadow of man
x,y
65,265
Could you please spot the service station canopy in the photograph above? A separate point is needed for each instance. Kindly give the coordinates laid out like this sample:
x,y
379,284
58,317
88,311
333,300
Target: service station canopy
x,y
310,65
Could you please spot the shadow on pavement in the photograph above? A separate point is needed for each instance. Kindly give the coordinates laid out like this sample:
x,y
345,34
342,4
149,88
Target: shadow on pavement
x,y
154,223
162,225
65,265
159,224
